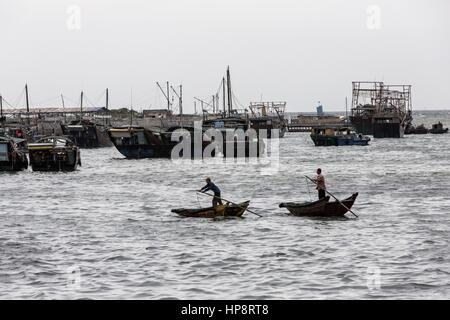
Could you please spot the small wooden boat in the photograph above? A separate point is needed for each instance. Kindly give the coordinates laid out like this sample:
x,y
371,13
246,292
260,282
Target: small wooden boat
x,y
226,210
320,208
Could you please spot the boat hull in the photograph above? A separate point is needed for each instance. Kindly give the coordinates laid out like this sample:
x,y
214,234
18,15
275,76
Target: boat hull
x,y
439,131
326,141
226,210
141,143
320,208
143,152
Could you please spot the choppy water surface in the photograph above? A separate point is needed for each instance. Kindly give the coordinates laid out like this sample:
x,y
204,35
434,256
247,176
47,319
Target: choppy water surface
x,y
106,231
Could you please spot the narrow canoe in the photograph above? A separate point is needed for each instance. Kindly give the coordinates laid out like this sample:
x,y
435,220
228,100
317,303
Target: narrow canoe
x,y
320,208
226,210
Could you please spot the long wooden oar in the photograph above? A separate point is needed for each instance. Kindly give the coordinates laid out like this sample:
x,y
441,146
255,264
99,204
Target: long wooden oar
x,y
348,209
236,204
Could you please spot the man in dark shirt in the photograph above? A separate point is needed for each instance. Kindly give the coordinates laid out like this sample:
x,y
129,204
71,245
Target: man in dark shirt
x,y
211,186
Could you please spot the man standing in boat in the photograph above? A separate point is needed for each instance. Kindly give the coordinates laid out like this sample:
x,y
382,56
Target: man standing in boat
x,y
217,199
320,183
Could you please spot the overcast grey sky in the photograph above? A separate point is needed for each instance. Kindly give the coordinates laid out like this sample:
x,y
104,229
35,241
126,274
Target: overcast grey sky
x,y
297,51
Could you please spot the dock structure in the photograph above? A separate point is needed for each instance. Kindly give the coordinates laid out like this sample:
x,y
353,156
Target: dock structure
x,y
305,123
42,121
381,110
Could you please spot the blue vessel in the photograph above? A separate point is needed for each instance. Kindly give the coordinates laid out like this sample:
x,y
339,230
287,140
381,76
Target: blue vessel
x,y
345,136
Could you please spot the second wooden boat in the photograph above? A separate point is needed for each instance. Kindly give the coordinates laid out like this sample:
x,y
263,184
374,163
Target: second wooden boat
x,y
320,208
226,210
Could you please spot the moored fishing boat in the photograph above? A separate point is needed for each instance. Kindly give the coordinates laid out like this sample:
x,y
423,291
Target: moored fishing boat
x,y
136,142
54,153
87,134
320,208
268,116
438,128
225,210
420,129
236,140
344,136
13,154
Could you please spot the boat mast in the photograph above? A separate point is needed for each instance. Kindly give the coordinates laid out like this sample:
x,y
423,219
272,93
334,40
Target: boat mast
x,y
131,107
230,98
1,110
168,95
28,104
107,98
81,105
224,99
346,107
180,99
64,107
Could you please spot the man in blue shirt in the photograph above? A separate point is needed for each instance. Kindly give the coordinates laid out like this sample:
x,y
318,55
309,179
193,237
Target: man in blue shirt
x,y
211,186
